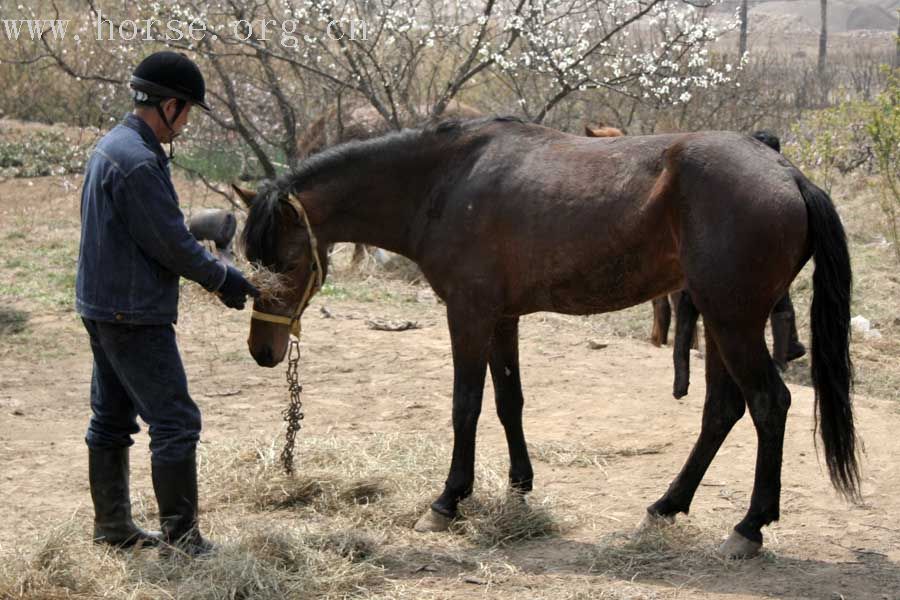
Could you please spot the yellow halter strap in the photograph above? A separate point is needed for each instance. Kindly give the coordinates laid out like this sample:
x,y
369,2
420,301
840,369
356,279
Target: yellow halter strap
x,y
313,284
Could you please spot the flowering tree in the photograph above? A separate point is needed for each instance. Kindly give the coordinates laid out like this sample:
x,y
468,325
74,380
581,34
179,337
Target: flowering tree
x,y
273,65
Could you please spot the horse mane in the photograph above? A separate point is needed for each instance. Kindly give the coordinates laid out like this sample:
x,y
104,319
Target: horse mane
x,y
458,125
315,135
258,240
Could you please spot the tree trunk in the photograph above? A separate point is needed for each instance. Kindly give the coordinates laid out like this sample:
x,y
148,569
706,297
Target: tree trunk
x,y
823,37
897,53
742,48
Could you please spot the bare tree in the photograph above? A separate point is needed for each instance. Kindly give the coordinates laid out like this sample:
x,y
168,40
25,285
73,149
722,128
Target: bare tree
x,y
897,51
823,36
743,16
273,66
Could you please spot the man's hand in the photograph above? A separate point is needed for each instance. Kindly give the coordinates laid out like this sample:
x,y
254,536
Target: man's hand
x,y
235,289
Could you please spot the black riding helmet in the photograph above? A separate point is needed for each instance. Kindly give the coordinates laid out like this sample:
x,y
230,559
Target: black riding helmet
x,y
164,75
169,74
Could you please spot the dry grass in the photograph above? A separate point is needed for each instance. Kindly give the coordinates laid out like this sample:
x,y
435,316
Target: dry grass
x,y
272,286
660,547
337,561
577,454
328,533
506,520
256,563
379,481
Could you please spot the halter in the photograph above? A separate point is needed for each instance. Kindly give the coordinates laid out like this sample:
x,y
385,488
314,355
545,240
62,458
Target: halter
x,y
313,284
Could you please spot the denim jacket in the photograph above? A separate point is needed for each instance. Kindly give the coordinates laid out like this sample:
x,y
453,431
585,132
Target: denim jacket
x,y
134,241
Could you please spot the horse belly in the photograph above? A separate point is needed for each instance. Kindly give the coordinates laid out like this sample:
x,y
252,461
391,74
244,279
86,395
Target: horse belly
x,y
622,281
606,284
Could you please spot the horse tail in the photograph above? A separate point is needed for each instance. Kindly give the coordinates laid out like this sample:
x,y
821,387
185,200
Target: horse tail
x,y
832,370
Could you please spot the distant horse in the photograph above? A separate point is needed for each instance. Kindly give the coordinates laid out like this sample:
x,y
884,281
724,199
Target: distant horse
x,y
786,343
601,130
363,121
507,218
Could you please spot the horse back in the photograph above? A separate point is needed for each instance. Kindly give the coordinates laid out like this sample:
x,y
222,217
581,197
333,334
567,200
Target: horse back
x,y
579,225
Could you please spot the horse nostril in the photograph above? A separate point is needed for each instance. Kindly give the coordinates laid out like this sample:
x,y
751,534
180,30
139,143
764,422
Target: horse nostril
x,y
265,356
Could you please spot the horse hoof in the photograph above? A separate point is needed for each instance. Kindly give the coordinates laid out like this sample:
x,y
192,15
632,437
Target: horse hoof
x,y
433,521
737,546
653,522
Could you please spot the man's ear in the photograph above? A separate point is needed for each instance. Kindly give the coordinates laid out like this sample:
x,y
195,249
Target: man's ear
x,y
245,195
169,107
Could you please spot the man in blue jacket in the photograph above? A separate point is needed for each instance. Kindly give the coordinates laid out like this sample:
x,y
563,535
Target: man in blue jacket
x,y
134,247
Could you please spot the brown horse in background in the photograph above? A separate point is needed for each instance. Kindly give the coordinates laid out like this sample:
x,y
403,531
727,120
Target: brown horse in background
x,y
507,218
786,344
363,121
600,130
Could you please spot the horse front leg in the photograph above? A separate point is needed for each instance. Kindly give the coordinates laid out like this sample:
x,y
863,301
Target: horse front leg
x,y
470,338
504,362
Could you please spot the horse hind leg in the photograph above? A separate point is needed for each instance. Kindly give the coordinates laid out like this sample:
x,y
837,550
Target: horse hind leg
x,y
724,406
768,399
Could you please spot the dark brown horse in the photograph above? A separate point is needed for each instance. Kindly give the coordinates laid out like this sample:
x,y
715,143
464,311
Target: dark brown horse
x,y
506,218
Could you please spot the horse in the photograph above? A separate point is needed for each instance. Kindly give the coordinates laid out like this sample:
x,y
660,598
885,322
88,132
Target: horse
x,y
786,344
363,121
507,218
602,130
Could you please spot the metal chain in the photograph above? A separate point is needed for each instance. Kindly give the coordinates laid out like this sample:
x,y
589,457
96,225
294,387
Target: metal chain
x,y
293,414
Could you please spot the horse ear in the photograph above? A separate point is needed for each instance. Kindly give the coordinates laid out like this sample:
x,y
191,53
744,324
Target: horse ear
x,y
246,195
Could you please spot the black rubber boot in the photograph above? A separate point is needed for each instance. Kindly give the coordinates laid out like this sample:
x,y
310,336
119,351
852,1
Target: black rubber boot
x,y
796,349
781,337
113,524
788,346
176,493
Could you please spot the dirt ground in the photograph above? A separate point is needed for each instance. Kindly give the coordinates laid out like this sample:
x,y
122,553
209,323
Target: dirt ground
x,y
361,382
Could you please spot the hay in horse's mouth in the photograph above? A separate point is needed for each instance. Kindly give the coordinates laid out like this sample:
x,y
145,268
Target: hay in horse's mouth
x,y
272,286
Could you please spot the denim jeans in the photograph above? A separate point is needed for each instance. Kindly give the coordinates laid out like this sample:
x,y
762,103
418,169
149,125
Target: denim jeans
x,y
138,372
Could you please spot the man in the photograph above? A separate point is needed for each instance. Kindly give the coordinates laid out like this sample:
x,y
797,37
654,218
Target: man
x,y
134,247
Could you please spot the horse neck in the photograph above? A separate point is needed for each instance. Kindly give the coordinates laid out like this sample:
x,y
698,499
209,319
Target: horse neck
x,y
378,206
